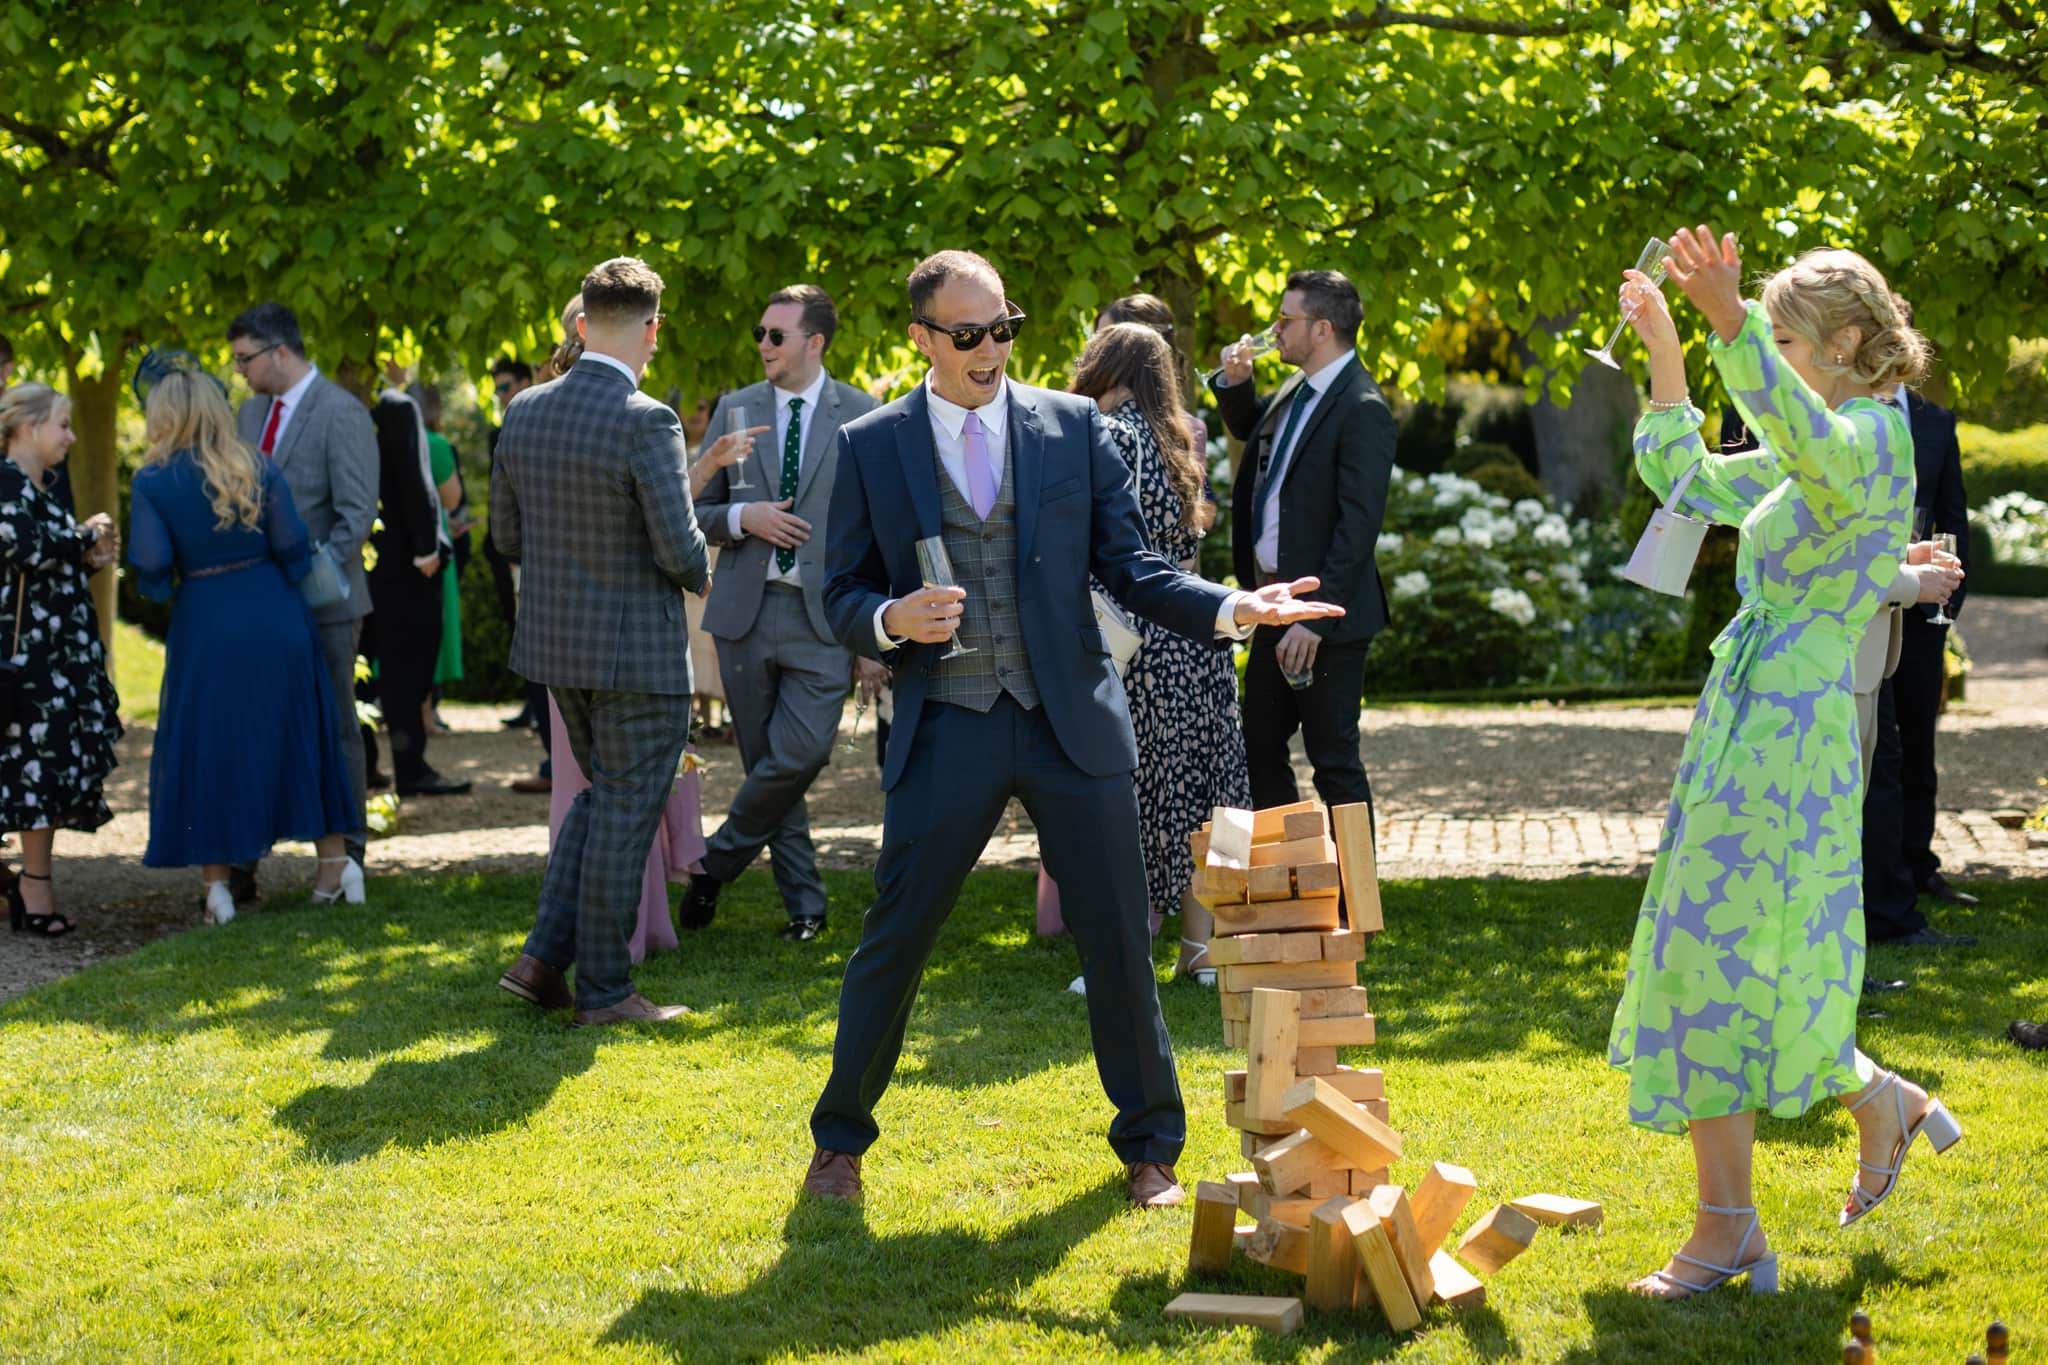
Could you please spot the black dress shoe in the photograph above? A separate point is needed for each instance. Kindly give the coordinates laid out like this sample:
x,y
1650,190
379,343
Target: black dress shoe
x,y
2032,1036
1931,938
242,886
523,721
376,782
433,784
1873,986
803,929
1937,886
700,902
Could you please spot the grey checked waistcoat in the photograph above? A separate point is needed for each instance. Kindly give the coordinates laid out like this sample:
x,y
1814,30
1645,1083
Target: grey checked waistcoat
x,y
984,555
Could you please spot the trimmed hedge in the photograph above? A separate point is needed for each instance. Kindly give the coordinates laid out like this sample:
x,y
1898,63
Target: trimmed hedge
x,y
1997,462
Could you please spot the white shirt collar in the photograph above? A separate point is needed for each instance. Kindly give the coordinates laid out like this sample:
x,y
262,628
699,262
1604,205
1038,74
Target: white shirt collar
x,y
995,414
809,395
1899,399
621,366
1321,380
296,394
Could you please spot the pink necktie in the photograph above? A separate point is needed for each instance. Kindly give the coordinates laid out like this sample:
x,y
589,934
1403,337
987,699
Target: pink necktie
x,y
981,480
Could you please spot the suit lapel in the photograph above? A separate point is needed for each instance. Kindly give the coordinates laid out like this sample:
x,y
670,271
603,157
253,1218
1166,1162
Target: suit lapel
x,y
918,455
295,425
1027,454
1277,408
824,426
1325,404
1926,452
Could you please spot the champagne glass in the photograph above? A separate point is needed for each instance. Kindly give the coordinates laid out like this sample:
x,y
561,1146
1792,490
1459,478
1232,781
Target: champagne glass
x,y
937,567
736,425
1651,263
860,708
1944,541
1254,345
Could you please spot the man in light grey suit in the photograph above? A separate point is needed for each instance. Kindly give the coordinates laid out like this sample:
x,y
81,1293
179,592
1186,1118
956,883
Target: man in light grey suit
x,y
321,439
588,499
785,673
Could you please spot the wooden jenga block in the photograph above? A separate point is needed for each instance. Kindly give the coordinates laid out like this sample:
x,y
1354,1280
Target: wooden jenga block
x,y
1275,1038
1251,1144
1559,1211
1352,827
1230,838
1237,1180
1291,1163
1247,949
1276,1315
1453,1284
1342,945
1359,1083
1439,1199
1286,976
1270,823
1210,1245
1320,849
1343,1125
1390,1202
1317,879
1294,1208
1354,1031
1270,884
1239,1116
1364,1183
1315,1061
1332,1258
1494,1240
1320,1058
1220,887
1382,1272
1304,824
1326,1002
1238,916
1284,1246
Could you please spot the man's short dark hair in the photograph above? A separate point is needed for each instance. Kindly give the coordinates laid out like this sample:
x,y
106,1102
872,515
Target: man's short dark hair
x,y
513,366
929,275
624,290
273,324
1332,297
820,318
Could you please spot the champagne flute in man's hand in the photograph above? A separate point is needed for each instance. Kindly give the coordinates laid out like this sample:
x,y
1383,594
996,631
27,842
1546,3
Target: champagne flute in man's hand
x,y
937,568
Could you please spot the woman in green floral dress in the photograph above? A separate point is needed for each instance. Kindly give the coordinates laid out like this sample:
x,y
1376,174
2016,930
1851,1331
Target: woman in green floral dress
x,y
1748,954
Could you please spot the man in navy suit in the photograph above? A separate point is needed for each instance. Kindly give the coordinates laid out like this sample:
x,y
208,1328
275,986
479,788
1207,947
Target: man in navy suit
x,y
1028,495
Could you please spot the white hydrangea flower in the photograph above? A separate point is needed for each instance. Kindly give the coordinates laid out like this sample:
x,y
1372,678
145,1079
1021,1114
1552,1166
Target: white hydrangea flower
x,y
1414,583
1478,540
1446,535
1532,575
1514,604
1528,511
1390,542
1553,532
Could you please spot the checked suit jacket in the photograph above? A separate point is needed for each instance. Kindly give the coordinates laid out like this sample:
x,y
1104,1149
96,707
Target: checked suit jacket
x,y
328,456
588,498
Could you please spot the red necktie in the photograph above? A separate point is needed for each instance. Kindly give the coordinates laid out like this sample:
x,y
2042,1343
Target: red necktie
x,y
270,427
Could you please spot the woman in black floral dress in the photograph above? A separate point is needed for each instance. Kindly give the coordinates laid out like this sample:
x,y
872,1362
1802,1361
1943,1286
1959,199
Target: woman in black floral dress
x,y
57,744
1183,693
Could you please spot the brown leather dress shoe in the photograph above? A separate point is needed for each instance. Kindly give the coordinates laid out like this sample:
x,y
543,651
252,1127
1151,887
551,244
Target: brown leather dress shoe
x,y
1152,1185
537,983
833,1175
532,786
634,1009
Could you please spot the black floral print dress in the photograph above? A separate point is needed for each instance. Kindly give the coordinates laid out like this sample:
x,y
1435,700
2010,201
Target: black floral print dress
x,y
58,747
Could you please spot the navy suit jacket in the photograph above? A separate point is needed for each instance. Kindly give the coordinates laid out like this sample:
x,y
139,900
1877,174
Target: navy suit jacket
x,y
1076,515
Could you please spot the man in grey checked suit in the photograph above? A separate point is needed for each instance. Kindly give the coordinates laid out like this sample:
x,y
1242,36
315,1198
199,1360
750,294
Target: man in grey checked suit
x,y
588,498
321,439
785,673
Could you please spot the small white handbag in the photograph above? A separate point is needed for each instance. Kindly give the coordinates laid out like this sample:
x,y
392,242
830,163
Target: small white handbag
x,y
1663,558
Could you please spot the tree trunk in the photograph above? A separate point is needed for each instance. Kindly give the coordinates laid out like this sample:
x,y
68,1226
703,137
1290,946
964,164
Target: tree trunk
x,y
1581,448
96,464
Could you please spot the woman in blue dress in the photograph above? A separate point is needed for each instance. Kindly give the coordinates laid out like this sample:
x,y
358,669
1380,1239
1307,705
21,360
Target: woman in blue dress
x,y
247,750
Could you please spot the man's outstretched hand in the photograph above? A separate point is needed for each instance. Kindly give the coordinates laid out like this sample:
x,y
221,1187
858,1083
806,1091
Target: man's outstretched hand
x,y
1280,604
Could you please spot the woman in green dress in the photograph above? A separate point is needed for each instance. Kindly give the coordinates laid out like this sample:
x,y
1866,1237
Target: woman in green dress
x,y
1748,953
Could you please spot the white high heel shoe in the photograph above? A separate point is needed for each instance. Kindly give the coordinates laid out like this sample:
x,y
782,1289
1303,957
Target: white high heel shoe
x,y
1761,1272
220,906
1940,1126
350,888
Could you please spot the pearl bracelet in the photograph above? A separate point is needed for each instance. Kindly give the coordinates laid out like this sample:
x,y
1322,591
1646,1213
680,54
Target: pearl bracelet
x,y
1657,405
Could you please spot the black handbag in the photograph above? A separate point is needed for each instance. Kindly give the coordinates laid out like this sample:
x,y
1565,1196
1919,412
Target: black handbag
x,y
13,666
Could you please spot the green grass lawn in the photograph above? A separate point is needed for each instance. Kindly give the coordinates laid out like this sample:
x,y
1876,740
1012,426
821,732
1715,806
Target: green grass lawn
x,y
138,672
326,1135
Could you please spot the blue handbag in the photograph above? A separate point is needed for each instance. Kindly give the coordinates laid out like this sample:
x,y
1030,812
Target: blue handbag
x,y
325,584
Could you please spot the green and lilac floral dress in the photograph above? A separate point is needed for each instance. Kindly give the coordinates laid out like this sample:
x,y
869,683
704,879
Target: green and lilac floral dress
x,y
1748,952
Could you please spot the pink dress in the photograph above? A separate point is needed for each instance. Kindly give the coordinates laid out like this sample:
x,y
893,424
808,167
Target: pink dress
x,y
678,841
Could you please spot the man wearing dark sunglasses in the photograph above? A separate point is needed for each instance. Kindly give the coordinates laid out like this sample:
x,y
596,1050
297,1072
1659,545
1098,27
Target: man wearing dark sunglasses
x,y
1026,494
785,673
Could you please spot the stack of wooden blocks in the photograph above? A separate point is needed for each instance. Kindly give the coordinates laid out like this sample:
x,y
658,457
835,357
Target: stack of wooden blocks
x,y
1317,1134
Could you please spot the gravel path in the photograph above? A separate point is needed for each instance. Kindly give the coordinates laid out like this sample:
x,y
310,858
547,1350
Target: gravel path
x,y
1527,791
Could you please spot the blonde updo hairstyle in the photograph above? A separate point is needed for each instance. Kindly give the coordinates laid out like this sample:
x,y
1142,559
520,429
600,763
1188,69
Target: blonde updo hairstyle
x,y
186,412
1825,291
27,405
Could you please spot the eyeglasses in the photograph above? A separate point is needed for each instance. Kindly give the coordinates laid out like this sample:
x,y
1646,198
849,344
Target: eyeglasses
x,y
244,360
504,385
1279,318
1002,331
776,335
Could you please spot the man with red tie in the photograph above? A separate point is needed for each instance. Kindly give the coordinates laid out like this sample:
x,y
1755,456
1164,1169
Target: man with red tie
x,y
321,439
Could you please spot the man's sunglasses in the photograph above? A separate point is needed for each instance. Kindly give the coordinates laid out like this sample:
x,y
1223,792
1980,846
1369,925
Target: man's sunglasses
x,y
1002,331
776,335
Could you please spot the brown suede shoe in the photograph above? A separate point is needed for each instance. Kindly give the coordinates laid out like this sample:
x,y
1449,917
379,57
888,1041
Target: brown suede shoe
x,y
537,983
833,1175
634,1009
1152,1185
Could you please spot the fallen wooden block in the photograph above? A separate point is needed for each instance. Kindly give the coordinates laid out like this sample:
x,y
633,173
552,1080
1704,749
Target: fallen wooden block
x,y
1252,1144
1332,1258
1390,1203
1238,916
1276,1315
1237,1180
1230,838
1559,1211
1275,1026
1260,1206
1210,1244
1343,945
1246,949
1270,884
1440,1198
1322,1002
1291,1163
1286,976
1382,1273
1318,879
1352,828
1292,853
1284,1246
1237,1114
1270,823
1303,824
1315,1061
1453,1284
1364,1183
1345,1126
1495,1240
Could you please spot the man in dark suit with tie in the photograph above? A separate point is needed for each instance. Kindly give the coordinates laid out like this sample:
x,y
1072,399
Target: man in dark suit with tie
x,y
321,439
785,673
1027,495
1310,499
588,498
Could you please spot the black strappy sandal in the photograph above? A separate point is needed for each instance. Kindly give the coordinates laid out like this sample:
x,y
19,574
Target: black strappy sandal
x,y
21,921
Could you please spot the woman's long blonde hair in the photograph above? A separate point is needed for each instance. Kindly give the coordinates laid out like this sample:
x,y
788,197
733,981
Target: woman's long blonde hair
x,y
187,412
27,405
1824,291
